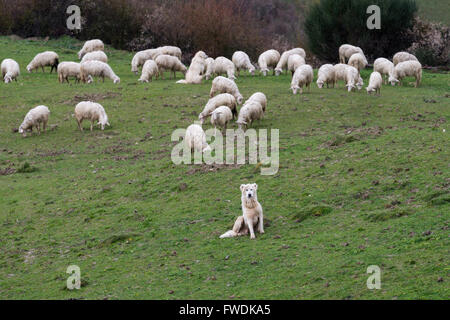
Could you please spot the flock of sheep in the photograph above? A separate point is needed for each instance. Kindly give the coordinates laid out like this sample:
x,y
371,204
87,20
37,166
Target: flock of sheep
x,y
225,95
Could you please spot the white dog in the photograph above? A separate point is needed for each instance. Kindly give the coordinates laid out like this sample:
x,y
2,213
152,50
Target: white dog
x,y
252,214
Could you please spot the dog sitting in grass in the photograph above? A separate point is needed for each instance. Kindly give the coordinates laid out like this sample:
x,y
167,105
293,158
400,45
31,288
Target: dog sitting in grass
x,y
252,214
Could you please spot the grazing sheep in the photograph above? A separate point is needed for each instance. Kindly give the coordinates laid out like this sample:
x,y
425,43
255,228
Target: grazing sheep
x,y
283,61
220,117
352,79
97,69
326,75
403,56
34,118
260,98
251,111
340,73
295,61
223,65
225,85
223,99
171,51
404,69
375,83
149,71
346,51
268,59
91,111
209,68
194,75
10,70
68,69
359,61
95,55
242,61
90,46
142,56
384,67
172,63
44,59
303,76
195,138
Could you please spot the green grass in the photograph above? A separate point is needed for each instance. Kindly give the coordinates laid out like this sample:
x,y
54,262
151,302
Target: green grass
x,y
363,181
435,10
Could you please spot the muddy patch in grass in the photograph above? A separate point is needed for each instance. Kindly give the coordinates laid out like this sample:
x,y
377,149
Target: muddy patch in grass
x,y
311,211
7,171
384,215
91,97
204,168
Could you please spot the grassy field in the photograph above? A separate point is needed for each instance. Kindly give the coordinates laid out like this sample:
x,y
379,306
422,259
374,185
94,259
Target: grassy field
x,y
363,181
435,10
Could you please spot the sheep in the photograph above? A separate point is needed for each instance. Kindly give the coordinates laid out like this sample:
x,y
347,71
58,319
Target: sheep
x,y
91,111
90,46
149,71
250,112
303,76
171,51
68,69
34,118
326,75
195,139
209,68
10,70
404,69
403,56
225,85
95,55
172,63
283,61
295,61
346,51
358,60
242,61
97,69
194,75
260,98
375,83
384,67
223,99
142,56
223,65
220,117
268,59
340,73
352,78
47,58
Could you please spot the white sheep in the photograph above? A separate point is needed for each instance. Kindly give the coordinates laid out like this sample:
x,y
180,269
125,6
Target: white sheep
x,y
196,70
283,61
91,45
195,139
166,62
326,75
346,51
34,118
209,68
68,69
88,110
303,76
10,70
225,85
224,65
375,83
220,117
100,69
260,98
95,55
402,57
295,61
358,60
384,67
149,71
44,59
340,73
223,99
268,59
404,69
250,112
142,56
171,51
352,79
242,61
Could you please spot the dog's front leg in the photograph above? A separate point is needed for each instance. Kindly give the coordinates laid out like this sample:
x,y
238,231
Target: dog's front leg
x,y
250,228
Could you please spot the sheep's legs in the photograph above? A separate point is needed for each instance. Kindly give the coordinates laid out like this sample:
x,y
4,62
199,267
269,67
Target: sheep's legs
x,y
92,125
38,127
44,125
43,70
79,125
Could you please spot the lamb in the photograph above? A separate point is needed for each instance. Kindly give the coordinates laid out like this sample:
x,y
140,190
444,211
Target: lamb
x,y
149,71
268,59
91,111
407,69
220,117
225,85
283,61
223,99
167,62
375,83
195,139
223,65
242,61
10,70
250,112
295,61
142,56
91,69
34,118
402,57
194,75
69,69
171,51
95,55
41,60
326,75
359,61
260,98
340,73
346,51
209,68
90,46
384,67
352,79
303,76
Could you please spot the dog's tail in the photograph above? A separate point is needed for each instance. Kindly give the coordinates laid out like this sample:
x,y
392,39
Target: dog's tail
x,y
229,234
237,228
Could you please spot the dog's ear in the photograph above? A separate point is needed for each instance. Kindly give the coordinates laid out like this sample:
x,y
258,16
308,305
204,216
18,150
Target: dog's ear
x,y
242,187
255,186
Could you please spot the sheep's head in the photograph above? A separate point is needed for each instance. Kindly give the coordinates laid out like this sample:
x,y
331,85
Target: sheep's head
x,y
320,83
201,118
116,80
350,87
207,149
278,71
242,125
252,71
24,127
90,79
103,121
360,83
393,81
240,99
264,72
29,69
295,89
8,79
370,90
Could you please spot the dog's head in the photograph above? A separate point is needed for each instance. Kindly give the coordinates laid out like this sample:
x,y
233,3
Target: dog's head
x,y
249,191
